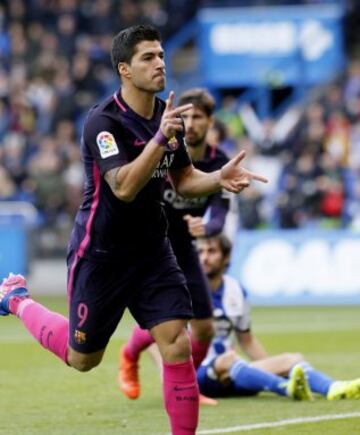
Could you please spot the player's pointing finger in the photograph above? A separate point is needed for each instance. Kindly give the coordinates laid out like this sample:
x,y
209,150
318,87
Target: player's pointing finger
x,y
258,177
181,109
237,159
170,101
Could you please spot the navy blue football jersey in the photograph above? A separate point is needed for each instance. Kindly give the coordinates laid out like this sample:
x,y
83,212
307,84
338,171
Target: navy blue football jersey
x,y
115,135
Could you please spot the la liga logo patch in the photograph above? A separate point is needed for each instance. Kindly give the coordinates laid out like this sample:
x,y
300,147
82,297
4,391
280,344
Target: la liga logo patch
x,y
107,144
173,143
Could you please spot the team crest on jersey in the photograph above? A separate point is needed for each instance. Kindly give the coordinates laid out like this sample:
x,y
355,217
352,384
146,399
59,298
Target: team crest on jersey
x,y
107,144
173,144
80,337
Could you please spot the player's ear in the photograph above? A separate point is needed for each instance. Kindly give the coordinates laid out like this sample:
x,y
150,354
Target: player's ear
x,y
226,261
211,120
124,70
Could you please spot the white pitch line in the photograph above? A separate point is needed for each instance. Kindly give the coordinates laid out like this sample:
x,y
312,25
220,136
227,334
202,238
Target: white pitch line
x,y
248,427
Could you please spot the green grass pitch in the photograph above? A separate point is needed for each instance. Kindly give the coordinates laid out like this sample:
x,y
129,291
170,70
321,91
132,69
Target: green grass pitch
x,y
40,396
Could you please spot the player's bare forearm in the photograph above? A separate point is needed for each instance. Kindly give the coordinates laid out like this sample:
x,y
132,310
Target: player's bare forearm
x,y
190,182
127,181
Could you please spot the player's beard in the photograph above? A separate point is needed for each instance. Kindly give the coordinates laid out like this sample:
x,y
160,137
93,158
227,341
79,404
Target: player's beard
x,y
214,272
196,142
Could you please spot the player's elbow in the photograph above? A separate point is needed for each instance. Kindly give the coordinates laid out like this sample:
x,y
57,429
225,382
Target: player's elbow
x,y
127,198
183,190
125,195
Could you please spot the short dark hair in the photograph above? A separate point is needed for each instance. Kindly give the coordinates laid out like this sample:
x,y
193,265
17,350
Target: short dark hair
x,y
200,98
224,243
124,43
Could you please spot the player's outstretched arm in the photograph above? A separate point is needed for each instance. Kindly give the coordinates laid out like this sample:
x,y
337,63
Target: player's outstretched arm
x,y
127,181
190,182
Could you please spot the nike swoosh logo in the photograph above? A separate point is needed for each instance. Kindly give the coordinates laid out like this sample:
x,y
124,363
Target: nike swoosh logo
x,y
176,388
139,142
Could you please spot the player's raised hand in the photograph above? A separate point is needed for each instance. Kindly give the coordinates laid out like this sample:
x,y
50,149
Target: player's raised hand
x,y
196,225
171,121
235,178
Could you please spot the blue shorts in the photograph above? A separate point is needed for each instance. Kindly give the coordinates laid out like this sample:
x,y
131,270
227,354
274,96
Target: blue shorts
x,y
210,386
150,284
188,260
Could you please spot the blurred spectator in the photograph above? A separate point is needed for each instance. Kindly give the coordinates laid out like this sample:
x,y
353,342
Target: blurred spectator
x,y
299,197
331,185
45,170
7,186
218,136
337,141
228,114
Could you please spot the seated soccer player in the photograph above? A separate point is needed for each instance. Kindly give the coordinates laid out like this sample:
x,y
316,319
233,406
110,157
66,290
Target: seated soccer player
x,y
224,372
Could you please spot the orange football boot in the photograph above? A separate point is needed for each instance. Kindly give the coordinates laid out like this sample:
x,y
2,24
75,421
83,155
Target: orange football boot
x,y
128,378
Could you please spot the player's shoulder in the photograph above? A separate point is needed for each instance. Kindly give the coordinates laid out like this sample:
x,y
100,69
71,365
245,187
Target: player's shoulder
x,y
103,116
232,286
216,155
105,108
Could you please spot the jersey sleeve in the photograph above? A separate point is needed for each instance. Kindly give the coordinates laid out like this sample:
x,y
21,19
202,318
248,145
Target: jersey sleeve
x,y
104,140
218,207
243,322
238,307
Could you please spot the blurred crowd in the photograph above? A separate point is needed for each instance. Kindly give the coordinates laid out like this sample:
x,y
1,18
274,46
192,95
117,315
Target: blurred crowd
x,y
311,155
54,64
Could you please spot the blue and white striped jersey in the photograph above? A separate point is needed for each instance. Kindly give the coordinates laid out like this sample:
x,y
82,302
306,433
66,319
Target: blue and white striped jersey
x,y
231,311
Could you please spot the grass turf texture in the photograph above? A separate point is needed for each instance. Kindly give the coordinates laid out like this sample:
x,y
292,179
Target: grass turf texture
x,y
40,396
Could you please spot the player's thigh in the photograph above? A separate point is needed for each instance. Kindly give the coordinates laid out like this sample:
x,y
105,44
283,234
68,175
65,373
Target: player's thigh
x,y
98,296
278,364
197,283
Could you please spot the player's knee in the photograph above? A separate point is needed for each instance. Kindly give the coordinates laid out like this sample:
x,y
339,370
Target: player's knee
x,y
83,364
294,358
225,361
179,349
229,358
298,357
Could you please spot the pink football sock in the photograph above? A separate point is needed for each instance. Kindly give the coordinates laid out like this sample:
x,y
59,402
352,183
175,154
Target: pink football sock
x,y
199,350
50,329
181,397
140,339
